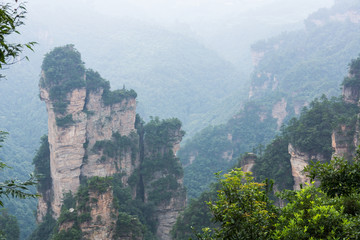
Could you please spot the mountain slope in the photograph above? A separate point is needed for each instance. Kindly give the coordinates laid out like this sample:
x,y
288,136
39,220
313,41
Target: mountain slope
x,y
292,69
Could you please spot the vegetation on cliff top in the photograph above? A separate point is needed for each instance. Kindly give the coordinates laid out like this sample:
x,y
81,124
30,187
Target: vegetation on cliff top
x,y
353,79
94,82
64,71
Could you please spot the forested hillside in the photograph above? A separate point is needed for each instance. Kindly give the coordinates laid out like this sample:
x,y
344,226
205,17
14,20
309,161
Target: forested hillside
x,y
292,69
327,128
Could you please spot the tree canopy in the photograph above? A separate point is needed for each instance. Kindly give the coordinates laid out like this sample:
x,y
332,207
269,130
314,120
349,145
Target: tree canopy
x,y
11,18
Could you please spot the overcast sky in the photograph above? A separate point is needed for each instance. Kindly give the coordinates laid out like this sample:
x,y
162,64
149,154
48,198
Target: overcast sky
x,y
192,10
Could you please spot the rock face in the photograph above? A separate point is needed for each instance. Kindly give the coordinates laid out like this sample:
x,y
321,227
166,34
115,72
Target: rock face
x,y
67,150
264,82
66,146
279,112
98,157
351,94
344,141
102,223
248,162
299,160
174,197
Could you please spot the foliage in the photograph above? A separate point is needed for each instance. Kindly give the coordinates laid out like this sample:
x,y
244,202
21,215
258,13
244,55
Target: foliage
x,y
242,208
207,149
45,229
14,188
162,133
159,139
338,177
117,96
99,184
353,80
311,133
310,214
166,163
9,227
11,18
128,226
41,163
63,71
65,121
64,68
118,145
162,189
196,216
274,164
133,210
94,81
71,234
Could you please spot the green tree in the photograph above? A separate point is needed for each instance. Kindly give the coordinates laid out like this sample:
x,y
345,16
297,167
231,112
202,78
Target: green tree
x,y
12,187
243,209
310,214
339,177
9,227
11,18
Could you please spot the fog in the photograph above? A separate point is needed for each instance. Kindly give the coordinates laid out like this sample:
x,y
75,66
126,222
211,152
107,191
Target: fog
x,y
215,23
188,59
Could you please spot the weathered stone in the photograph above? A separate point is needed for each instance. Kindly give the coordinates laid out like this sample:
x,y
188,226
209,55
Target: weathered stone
x,y
103,217
299,160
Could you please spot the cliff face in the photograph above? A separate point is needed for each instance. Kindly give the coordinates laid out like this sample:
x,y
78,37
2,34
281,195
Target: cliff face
x,y
248,162
100,162
71,155
351,94
164,184
299,160
66,147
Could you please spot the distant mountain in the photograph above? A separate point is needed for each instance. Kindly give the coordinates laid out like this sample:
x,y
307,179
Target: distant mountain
x,y
291,70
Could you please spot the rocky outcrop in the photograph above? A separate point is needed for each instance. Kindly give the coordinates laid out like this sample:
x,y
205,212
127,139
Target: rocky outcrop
x,y
93,140
351,94
102,122
167,215
342,141
103,217
166,181
263,82
279,112
256,57
71,154
66,146
248,162
352,16
299,160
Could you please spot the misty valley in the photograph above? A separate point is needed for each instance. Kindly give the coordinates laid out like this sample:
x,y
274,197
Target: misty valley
x,y
177,120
